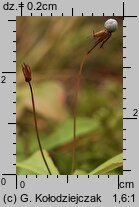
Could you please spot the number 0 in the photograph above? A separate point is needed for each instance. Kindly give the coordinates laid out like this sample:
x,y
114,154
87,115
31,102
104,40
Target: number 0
x,y
3,181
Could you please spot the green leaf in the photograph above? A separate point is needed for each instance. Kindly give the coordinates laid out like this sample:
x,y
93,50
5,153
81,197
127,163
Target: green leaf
x,y
64,133
109,165
35,165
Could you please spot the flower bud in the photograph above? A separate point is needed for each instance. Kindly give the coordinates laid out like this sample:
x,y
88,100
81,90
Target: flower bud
x,y
27,72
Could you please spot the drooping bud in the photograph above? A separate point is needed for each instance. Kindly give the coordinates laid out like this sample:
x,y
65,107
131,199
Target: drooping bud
x,y
27,72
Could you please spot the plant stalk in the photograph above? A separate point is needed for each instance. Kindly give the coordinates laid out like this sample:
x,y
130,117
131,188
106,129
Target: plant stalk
x,y
75,112
36,128
73,167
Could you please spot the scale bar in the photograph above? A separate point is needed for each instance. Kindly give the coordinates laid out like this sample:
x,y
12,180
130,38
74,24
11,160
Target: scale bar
x,y
130,118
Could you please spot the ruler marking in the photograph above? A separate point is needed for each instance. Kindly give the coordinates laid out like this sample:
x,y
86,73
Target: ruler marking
x,y
67,179
126,16
118,181
16,182
130,16
21,5
9,72
126,170
128,118
11,20
123,10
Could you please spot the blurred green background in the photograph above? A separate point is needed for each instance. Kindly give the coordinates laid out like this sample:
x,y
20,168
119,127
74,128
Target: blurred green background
x,y
54,47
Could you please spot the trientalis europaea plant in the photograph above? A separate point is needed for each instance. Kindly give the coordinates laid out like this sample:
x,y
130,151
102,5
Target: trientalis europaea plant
x,y
100,38
27,74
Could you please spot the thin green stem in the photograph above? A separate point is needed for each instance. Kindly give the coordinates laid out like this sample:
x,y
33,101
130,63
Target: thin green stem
x,y
36,127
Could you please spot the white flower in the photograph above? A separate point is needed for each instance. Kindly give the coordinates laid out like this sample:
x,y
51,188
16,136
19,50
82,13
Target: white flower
x,y
111,25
